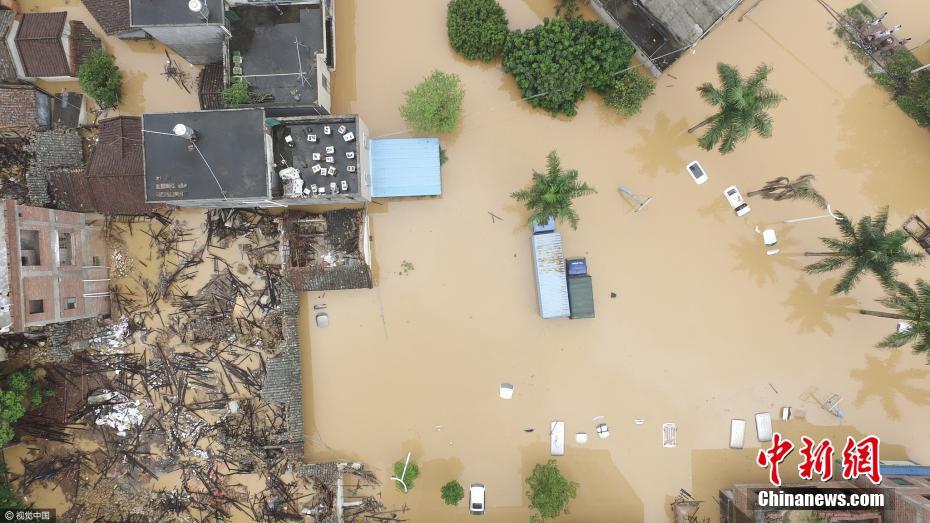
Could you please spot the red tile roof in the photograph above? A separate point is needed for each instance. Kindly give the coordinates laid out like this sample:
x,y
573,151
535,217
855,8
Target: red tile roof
x,y
112,15
18,108
39,44
114,173
7,68
82,42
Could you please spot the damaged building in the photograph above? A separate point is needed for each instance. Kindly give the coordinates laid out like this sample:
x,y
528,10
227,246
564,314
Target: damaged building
x,y
328,251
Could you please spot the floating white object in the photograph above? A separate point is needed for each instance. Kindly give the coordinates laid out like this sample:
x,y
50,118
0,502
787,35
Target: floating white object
x,y
332,187
315,168
639,421
331,171
737,433
344,185
233,406
350,154
349,136
311,138
506,390
322,190
322,320
330,149
581,438
903,326
764,426
327,130
306,192
669,435
602,430
351,168
316,157
786,414
341,129
330,159
313,188
557,438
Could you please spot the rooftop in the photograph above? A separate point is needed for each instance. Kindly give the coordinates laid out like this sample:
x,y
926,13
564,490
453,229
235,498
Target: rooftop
x,y
268,44
82,43
20,108
324,251
38,41
115,174
146,13
305,155
7,67
405,167
112,15
228,155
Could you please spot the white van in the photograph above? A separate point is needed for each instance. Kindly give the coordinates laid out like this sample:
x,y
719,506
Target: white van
x,y
476,498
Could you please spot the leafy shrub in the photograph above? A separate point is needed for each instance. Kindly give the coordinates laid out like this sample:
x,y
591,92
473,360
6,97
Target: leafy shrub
x,y
629,92
477,28
555,62
567,8
453,492
435,104
21,391
911,91
413,472
549,491
9,498
101,79
239,92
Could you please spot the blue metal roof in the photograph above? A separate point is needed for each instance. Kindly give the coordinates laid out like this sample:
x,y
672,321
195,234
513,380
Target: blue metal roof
x,y
405,167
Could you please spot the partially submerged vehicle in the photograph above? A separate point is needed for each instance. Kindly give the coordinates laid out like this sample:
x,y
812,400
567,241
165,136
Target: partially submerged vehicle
x,y
697,172
735,199
476,498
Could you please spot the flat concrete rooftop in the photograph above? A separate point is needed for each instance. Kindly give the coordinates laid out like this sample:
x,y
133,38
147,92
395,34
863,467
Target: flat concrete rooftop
x,y
171,12
281,41
232,143
301,155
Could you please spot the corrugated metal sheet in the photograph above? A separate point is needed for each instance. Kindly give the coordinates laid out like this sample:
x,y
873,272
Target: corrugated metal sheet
x,y
581,297
551,287
405,167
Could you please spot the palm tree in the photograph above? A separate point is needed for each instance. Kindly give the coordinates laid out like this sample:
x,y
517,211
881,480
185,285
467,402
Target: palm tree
x,y
742,105
911,305
782,188
551,193
865,247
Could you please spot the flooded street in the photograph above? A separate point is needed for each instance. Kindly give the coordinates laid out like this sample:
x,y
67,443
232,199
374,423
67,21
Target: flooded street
x,y
704,327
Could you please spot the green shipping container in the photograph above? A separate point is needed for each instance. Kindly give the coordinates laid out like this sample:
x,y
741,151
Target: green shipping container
x,y
581,297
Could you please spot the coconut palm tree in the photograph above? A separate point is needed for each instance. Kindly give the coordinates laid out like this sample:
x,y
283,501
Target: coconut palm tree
x,y
911,305
865,247
782,188
551,193
742,107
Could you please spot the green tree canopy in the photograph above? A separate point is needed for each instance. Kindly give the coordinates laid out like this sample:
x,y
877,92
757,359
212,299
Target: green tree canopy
x,y
434,105
911,90
911,304
864,247
554,63
452,492
477,28
101,79
629,92
551,194
741,108
16,398
549,491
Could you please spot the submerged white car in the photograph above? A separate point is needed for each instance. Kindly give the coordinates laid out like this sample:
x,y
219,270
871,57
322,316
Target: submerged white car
x,y
476,498
697,172
736,200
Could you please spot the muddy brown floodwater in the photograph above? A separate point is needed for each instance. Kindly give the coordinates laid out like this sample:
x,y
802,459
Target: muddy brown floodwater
x,y
705,327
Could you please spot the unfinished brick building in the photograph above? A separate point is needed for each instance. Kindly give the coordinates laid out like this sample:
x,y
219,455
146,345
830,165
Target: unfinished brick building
x,y
52,267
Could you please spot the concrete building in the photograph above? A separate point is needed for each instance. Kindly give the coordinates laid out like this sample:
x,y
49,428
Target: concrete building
x,y
193,29
661,30
240,158
52,267
285,53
